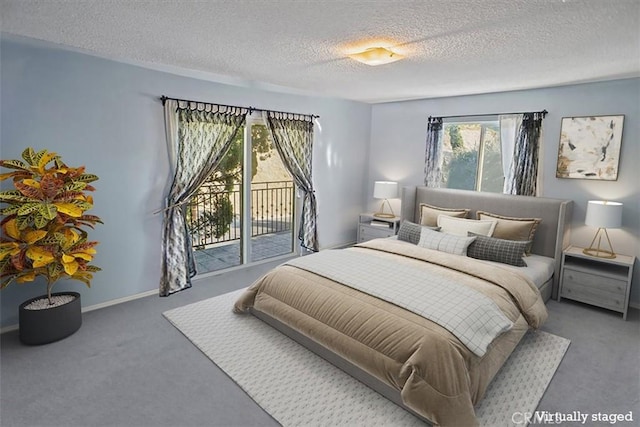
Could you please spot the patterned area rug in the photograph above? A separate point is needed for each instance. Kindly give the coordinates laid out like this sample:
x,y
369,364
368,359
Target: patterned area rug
x,y
299,388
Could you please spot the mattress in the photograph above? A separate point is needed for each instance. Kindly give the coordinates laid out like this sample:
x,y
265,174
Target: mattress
x,y
539,268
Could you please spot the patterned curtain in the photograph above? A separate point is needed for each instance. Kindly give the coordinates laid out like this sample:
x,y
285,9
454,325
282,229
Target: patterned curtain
x,y
509,128
433,155
204,134
523,174
293,137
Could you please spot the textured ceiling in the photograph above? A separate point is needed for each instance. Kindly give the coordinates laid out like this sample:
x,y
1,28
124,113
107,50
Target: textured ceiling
x,y
451,47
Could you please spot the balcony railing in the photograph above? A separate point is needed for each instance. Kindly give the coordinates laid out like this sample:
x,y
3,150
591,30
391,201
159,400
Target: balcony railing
x,y
214,214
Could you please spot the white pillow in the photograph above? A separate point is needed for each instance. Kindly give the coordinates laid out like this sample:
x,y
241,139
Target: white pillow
x,y
444,242
461,226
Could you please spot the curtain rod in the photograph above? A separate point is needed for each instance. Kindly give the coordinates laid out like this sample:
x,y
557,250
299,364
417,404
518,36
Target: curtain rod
x,y
543,112
251,109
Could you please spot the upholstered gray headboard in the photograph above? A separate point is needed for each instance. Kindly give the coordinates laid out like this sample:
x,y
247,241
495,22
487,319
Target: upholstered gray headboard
x,y
552,235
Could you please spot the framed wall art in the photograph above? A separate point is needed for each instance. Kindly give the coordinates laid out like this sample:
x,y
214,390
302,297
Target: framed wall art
x,y
590,147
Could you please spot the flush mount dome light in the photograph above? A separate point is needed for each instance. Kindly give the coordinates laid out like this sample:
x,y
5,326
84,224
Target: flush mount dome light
x,y
376,56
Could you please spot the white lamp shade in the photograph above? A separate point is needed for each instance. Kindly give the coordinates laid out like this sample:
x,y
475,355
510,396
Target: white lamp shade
x,y
385,190
604,214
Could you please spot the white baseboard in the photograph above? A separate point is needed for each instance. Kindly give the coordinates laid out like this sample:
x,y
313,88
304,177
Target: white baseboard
x,y
120,300
155,291
340,246
10,328
97,306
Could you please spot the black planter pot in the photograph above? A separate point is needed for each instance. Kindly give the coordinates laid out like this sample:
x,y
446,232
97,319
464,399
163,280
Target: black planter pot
x,y
50,324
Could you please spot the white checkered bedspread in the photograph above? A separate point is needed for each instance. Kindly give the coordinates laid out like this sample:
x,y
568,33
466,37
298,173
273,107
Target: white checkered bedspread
x,y
469,315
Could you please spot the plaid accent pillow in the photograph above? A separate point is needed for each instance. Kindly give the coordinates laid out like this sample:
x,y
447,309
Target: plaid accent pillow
x,y
499,250
410,231
444,242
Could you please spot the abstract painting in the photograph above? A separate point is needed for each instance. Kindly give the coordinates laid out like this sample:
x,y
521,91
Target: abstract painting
x,y
590,147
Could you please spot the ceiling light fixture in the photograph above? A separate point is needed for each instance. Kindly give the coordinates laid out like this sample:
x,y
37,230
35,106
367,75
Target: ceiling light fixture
x,y
376,56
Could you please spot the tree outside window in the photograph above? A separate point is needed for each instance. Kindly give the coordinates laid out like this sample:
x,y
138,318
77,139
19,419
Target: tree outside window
x,y
472,156
213,208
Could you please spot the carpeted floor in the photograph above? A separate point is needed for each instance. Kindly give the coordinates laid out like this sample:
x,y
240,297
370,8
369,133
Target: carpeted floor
x,y
128,367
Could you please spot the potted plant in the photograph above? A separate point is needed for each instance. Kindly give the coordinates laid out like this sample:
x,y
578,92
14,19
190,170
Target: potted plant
x,y
43,235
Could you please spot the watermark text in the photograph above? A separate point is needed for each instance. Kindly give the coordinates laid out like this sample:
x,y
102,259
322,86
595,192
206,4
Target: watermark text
x,y
578,417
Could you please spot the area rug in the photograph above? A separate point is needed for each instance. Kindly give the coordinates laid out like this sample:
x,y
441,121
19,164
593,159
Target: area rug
x,y
298,388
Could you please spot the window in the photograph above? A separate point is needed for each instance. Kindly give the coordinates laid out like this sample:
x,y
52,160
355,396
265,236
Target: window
x,y
244,212
472,156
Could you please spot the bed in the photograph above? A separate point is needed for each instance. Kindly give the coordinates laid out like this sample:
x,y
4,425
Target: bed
x,y
363,308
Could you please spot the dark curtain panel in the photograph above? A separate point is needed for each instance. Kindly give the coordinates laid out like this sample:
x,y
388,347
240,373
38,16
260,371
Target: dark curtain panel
x,y
433,154
204,135
524,167
293,137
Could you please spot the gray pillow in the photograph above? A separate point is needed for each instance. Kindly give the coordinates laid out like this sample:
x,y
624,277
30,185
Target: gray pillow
x,y
410,231
499,250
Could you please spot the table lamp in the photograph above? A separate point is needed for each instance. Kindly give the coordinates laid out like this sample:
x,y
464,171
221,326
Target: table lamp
x,y
385,190
603,215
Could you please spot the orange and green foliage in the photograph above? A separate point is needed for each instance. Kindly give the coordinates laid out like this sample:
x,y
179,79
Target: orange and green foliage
x,y
43,221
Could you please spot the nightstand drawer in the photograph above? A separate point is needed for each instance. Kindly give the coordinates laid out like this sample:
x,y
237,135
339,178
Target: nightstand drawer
x,y
595,282
591,294
372,232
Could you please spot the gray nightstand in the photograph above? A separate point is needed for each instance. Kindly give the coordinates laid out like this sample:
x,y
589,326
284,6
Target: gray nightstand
x,y
371,227
597,281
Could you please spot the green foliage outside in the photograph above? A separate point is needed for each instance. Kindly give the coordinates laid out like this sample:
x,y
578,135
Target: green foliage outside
x,y
461,164
457,142
216,216
214,222
229,172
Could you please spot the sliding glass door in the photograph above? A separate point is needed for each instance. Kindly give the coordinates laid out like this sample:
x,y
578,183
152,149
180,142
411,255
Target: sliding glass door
x,y
245,211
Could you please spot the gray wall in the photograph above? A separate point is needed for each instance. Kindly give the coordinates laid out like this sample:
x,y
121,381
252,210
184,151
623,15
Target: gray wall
x,y
398,144
107,116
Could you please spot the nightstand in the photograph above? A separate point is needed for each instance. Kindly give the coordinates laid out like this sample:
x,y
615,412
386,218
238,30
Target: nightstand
x,y
371,227
597,281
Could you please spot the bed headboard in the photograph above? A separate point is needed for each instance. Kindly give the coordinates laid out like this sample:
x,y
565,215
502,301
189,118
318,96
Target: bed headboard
x,y
553,232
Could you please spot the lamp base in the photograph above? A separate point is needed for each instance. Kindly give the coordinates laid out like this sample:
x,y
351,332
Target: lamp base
x,y
597,251
600,253
383,215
